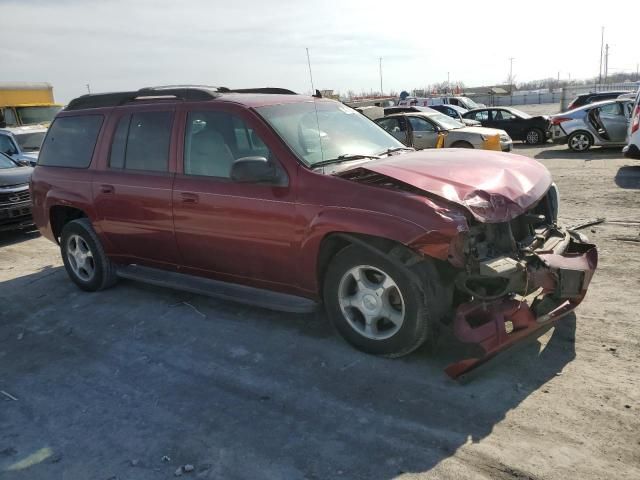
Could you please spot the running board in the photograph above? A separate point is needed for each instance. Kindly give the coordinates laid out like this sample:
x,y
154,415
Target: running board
x,y
218,289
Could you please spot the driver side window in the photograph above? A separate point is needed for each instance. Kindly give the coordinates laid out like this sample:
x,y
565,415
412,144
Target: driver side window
x,y
214,140
421,125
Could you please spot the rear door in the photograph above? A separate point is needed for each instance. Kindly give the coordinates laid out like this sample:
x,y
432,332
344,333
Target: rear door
x,y
396,126
615,120
132,185
481,116
423,133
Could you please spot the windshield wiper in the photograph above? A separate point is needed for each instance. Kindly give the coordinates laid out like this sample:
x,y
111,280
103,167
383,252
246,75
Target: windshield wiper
x,y
389,151
343,158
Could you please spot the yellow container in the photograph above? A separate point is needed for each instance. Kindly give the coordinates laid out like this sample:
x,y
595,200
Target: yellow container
x,y
492,143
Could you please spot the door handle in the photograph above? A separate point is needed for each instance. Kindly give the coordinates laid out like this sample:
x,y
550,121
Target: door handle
x,y
107,188
189,197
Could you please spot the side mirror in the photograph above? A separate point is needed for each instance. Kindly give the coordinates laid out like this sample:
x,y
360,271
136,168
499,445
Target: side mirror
x,y
254,170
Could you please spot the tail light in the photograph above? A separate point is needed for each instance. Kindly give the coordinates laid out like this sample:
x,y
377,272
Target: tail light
x,y
635,123
559,120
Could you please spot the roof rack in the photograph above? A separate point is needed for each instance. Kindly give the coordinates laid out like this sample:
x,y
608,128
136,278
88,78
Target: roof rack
x,y
178,92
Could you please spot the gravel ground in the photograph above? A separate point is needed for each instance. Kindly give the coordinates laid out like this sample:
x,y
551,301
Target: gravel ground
x,y
136,381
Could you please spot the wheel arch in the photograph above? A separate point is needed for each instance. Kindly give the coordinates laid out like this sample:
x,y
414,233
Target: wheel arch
x,y
60,215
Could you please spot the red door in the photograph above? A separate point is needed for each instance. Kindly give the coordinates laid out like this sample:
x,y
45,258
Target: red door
x,y
239,232
132,185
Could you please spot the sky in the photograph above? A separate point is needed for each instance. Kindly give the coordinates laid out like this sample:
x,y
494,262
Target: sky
x,y
118,44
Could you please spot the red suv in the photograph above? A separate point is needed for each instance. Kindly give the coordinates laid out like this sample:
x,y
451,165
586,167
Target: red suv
x,y
287,201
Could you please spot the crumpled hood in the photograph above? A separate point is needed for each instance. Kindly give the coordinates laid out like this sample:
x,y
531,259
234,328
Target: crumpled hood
x,y
493,186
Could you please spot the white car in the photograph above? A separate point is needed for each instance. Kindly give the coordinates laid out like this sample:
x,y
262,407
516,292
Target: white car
x,y
632,150
22,144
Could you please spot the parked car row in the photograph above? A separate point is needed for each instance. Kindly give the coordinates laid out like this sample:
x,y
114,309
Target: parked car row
x,y
15,199
424,129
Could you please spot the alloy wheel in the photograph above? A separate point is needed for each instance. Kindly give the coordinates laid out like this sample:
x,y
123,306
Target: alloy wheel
x,y
80,258
533,137
371,302
580,142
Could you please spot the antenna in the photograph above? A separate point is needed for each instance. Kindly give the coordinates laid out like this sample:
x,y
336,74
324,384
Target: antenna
x,y
310,74
315,107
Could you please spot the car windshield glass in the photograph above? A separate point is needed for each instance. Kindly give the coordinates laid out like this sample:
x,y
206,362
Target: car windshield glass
x,y
6,162
519,113
30,142
35,115
470,103
445,122
325,130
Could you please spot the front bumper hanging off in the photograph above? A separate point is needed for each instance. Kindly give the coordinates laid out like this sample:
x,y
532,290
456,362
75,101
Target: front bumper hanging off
x,y
558,280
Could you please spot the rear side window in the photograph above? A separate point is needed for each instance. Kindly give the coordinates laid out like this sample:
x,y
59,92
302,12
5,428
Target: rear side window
x,y
70,141
141,142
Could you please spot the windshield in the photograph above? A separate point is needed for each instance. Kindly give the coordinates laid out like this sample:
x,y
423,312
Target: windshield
x,y
470,103
35,115
6,162
519,113
336,130
445,122
30,142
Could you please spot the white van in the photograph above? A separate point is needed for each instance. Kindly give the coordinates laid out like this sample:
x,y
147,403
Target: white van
x,y
464,102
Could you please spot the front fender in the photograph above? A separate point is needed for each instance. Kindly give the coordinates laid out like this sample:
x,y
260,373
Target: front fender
x,y
354,221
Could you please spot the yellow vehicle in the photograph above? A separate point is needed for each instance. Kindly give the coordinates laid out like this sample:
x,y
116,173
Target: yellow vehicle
x,y
23,103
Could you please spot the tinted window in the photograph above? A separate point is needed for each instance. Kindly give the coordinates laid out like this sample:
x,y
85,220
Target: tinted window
x,y
119,143
421,125
148,142
70,141
214,140
503,115
10,117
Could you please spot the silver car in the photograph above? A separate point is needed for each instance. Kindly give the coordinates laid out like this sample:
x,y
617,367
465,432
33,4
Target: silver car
x,y
422,130
602,123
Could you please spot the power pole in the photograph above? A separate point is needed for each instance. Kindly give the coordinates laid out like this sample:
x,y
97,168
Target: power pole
x,y
637,71
88,88
606,62
511,74
380,59
448,83
601,48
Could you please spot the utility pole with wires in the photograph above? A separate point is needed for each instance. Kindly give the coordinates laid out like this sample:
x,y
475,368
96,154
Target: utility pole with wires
x,y
606,62
88,88
511,74
601,53
313,90
380,66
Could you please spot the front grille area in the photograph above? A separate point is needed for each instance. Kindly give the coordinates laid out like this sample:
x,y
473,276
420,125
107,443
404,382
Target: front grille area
x,y
14,205
11,198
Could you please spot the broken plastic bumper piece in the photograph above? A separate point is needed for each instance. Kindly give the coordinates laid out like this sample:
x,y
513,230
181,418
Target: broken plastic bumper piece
x,y
558,282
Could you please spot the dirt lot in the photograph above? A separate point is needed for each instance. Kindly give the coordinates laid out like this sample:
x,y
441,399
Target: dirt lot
x,y
134,382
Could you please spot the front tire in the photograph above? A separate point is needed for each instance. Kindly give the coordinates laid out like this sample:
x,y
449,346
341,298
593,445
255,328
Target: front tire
x,y
534,136
84,259
462,144
580,141
374,304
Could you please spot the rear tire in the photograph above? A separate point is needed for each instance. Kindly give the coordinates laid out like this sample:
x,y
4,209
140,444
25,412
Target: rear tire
x,y
84,259
462,144
534,136
374,304
580,141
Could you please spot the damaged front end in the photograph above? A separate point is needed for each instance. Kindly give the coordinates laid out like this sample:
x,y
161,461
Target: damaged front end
x,y
518,278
